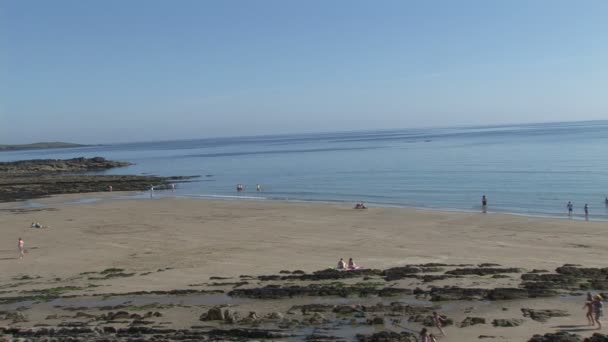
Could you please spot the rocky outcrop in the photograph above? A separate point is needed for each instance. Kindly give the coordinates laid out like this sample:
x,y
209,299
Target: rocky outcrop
x,y
543,315
37,166
482,271
336,289
388,336
512,322
472,321
561,336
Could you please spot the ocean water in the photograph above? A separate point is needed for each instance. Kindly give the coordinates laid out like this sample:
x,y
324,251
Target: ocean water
x,y
524,169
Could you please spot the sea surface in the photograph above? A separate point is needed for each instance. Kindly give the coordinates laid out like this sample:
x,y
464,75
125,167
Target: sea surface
x,y
532,169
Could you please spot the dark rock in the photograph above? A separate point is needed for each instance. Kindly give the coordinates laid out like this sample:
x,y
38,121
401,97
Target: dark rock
x,y
561,336
249,333
375,320
317,318
597,337
507,294
397,273
482,271
457,293
275,316
231,316
543,315
392,291
388,336
214,314
472,321
580,272
512,322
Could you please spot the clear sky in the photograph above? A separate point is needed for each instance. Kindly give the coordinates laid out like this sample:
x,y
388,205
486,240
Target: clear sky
x,y
115,70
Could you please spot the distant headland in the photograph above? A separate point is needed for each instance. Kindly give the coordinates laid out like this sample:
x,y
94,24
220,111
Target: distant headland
x,y
39,146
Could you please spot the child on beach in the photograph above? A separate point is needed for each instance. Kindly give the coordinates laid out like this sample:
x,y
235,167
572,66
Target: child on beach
x,y
424,336
589,306
20,246
598,310
438,320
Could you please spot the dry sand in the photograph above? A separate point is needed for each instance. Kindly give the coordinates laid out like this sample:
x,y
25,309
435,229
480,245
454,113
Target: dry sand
x,y
197,239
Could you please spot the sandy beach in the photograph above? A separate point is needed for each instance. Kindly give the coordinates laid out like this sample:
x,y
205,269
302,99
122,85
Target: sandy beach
x,y
175,243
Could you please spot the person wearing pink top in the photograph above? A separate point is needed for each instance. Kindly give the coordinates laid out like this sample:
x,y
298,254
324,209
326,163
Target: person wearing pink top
x,y
20,245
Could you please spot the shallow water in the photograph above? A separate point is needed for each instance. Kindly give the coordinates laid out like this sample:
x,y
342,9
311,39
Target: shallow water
x,y
525,169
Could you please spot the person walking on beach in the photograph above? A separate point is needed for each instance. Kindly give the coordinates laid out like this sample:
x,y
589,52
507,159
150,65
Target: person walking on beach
x,y
20,246
569,206
586,210
438,320
598,310
589,306
151,190
484,203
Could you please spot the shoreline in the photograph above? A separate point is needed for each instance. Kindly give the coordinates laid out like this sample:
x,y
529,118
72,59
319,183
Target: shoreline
x,y
77,198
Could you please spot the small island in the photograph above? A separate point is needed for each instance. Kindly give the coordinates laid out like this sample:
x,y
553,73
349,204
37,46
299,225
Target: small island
x,y
39,146
28,179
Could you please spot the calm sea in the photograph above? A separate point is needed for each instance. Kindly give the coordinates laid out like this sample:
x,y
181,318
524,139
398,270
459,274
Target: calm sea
x,y
526,169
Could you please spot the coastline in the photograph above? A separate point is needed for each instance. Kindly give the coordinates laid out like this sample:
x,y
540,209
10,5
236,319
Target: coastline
x,y
76,198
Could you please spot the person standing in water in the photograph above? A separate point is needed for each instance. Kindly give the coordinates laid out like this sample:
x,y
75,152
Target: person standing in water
x,y
21,247
484,203
569,206
586,210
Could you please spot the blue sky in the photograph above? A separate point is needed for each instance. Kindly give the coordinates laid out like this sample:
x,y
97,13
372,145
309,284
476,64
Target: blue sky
x,y
113,70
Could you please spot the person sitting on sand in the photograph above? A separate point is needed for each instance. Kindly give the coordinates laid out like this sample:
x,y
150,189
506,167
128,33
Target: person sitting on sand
x,y
352,265
589,306
341,264
598,310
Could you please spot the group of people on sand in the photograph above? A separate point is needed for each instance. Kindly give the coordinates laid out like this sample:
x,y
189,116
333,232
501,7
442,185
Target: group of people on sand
x,y
360,205
595,309
342,265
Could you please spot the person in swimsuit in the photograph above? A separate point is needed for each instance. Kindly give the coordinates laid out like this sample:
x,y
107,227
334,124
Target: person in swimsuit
x,y
341,264
351,264
589,306
20,246
438,320
569,206
424,336
598,310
